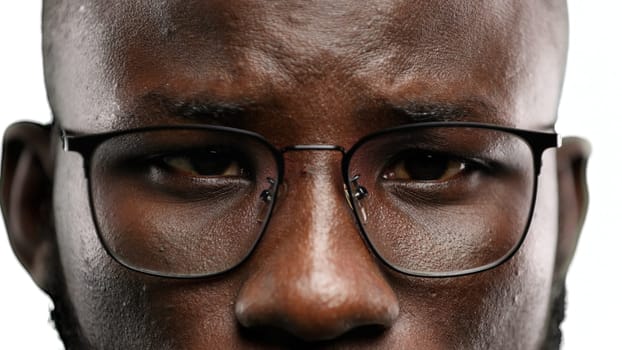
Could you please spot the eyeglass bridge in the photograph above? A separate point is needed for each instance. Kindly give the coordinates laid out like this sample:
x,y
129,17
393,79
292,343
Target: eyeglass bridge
x,y
359,192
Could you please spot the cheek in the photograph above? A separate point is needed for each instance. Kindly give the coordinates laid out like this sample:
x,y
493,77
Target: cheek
x,y
506,305
541,240
519,307
97,289
117,308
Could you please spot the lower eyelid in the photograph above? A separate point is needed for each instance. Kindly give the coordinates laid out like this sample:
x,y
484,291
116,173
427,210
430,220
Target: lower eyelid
x,y
432,191
158,176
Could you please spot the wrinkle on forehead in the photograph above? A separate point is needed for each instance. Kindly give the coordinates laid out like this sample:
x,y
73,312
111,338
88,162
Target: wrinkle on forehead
x,y
393,36
436,50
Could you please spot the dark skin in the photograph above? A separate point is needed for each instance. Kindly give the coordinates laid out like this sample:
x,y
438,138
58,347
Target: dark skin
x,y
301,72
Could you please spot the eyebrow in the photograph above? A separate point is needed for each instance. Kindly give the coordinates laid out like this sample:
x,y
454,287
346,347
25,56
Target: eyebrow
x,y
468,110
195,109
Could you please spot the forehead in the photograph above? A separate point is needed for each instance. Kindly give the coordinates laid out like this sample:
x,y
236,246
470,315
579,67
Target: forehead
x,y
503,60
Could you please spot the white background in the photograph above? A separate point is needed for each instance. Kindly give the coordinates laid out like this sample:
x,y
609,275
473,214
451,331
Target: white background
x,y
589,108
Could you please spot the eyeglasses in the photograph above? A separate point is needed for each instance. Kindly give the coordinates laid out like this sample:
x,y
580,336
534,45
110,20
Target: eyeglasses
x,y
431,199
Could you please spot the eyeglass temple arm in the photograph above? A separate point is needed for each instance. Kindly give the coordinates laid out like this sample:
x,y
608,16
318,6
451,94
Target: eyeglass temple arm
x,y
539,142
82,144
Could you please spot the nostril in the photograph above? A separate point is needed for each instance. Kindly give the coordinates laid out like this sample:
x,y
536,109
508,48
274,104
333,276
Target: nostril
x,y
273,337
269,336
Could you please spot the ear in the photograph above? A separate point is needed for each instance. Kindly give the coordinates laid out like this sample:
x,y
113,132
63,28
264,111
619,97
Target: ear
x,y
572,159
27,172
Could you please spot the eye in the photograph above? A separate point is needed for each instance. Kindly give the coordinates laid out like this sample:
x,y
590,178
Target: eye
x,y
424,166
203,163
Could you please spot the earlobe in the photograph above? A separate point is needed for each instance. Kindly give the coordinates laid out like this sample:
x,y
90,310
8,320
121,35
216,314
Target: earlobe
x,y
572,159
27,173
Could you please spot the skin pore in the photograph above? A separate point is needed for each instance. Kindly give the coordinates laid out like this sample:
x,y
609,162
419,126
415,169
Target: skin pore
x,y
299,72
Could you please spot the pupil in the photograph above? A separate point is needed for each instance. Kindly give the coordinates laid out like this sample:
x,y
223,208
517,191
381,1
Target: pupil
x,y
426,167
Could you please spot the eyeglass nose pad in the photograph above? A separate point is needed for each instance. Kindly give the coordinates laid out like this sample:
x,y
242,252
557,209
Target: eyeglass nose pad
x,y
267,197
359,193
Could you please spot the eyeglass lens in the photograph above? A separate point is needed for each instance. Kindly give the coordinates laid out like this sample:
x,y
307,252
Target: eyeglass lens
x,y
181,202
443,200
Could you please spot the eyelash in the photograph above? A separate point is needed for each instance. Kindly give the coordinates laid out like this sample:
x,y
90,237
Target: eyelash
x,y
452,164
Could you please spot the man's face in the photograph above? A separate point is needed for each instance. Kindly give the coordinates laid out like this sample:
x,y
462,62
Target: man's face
x,y
315,72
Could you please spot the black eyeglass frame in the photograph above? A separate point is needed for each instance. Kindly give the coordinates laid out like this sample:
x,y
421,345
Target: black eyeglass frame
x,y
538,142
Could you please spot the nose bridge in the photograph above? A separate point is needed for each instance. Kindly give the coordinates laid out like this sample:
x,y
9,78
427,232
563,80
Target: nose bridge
x,y
315,184
314,162
314,204
315,277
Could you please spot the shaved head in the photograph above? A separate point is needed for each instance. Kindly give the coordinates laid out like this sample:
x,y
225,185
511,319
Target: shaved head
x,y
422,44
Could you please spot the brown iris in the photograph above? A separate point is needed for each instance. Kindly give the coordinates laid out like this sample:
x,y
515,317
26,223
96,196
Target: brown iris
x,y
203,163
423,166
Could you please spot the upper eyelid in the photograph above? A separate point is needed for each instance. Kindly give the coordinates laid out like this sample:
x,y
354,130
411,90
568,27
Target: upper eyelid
x,y
452,155
401,157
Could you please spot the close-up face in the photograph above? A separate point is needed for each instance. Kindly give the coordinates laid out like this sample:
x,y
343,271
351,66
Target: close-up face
x,y
193,223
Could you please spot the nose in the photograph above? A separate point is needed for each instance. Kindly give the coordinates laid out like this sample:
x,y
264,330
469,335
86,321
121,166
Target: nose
x,y
312,275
